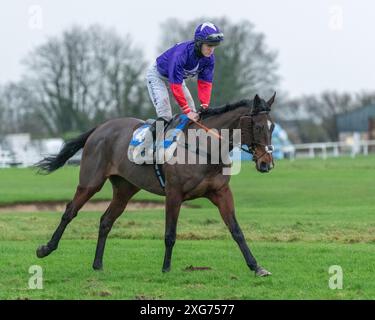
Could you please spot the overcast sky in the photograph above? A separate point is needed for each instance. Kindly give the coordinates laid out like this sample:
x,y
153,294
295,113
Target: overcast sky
x,y
322,44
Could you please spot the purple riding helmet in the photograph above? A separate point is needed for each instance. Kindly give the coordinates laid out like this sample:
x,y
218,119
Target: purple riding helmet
x,y
209,34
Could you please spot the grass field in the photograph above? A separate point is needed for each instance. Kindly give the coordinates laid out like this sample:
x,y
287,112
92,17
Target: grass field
x,y
299,220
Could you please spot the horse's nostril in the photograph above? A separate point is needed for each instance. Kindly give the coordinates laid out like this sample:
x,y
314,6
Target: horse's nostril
x,y
264,167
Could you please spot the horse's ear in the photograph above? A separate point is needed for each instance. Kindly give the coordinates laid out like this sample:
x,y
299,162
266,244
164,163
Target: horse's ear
x,y
272,100
257,101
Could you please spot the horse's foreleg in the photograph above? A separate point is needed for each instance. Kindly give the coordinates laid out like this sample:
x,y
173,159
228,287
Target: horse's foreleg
x,y
223,199
172,209
122,193
80,198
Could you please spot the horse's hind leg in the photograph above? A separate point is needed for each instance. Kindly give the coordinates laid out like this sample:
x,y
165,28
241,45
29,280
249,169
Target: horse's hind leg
x,y
82,195
123,191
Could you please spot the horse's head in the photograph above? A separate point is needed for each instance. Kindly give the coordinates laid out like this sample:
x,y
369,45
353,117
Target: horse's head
x,y
256,133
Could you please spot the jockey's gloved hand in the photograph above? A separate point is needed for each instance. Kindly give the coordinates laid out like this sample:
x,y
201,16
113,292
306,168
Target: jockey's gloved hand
x,y
202,109
193,116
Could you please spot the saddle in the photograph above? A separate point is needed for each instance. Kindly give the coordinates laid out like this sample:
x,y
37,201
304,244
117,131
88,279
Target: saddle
x,y
143,149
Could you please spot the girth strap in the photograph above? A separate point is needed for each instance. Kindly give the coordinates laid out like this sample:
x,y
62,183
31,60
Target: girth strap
x,y
159,174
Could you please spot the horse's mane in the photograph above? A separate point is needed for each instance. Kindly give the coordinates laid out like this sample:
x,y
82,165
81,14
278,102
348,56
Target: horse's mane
x,y
259,107
227,107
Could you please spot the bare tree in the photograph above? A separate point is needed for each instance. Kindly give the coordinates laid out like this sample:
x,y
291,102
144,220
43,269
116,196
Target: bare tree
x,y
85,77
3,110
16,110
364,98
317,113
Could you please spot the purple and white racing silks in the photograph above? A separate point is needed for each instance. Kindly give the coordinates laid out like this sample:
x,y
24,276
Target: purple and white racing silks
x,y
182,61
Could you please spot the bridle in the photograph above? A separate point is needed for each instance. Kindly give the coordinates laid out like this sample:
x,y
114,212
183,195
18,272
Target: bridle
x,y
251,150
247,134
248,122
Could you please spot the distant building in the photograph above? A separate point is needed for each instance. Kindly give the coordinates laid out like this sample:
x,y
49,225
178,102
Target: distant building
x,y
6,158
20,150
359,122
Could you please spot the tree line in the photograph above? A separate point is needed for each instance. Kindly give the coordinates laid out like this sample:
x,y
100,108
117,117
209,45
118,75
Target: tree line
x,y
312,118
85,76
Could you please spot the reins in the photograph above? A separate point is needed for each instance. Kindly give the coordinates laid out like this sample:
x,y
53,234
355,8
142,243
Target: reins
x,y
217,135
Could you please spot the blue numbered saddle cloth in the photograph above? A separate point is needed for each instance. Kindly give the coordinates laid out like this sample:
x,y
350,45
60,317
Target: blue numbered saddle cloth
x,y
143,150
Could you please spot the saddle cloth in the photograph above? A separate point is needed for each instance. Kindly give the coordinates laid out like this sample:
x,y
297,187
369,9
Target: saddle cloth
x,y
143,150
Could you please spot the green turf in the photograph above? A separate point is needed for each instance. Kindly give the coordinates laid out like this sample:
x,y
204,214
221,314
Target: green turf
x,y
133,271
299,220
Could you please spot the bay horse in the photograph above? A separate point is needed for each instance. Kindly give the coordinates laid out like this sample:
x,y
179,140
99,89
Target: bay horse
x,y
104,157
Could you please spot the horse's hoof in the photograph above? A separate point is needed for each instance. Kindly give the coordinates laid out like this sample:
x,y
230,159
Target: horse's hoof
x,y
261,272
97,267
43,251
164,270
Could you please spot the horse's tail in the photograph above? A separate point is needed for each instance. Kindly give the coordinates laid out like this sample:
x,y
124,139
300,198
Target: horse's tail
x,y
69,149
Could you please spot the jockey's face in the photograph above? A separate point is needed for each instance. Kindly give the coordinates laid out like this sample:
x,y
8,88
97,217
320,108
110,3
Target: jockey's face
x,y
207,50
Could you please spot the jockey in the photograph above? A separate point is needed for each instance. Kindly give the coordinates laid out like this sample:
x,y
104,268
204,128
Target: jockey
x,y
182,61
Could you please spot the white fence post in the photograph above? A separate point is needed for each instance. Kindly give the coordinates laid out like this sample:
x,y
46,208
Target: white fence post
x,y
365,148
333,149
324,151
